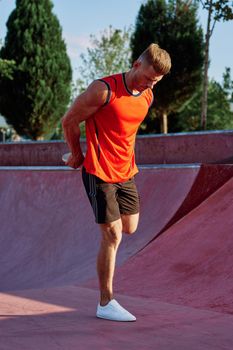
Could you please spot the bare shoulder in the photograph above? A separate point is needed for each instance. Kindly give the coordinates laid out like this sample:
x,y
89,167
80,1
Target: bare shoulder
x,y
87,103
96,93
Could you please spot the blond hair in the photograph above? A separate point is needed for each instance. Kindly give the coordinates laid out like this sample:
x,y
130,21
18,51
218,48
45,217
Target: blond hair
x,y
156,57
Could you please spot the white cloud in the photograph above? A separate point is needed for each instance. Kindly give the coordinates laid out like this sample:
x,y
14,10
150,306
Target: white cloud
x,y
79,40
76,44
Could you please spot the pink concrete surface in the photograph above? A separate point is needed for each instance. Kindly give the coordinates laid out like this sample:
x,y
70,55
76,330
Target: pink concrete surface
x,y
180,148
63,318
192,262
198,147
208,180
179,285
47,218
34,153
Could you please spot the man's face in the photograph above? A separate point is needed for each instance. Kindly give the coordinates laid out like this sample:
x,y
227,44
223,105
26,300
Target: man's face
x,y
145,76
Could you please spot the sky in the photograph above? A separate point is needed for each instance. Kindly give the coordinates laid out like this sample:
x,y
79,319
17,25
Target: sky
x,y
81,18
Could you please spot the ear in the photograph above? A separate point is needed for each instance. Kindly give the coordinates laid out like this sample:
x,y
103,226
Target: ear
x,y
137,64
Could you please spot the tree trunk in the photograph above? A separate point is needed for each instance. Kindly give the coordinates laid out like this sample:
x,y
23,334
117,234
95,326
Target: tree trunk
x,y
206,66
165,123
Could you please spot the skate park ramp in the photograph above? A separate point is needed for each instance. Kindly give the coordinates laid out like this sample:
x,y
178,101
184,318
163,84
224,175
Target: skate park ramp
x,y
53,222
48,234
191,263
174,274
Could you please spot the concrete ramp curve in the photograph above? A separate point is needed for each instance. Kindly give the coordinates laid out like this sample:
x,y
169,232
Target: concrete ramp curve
x,y
174,273
192,262
48,234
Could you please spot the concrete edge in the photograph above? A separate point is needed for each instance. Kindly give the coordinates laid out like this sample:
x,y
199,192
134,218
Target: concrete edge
x,y
64,168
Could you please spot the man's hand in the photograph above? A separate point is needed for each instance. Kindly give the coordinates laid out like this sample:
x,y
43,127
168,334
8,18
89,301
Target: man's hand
x,y
75,161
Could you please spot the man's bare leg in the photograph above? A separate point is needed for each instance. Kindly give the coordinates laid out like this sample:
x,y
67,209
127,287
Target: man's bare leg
x,y
129,223
111,238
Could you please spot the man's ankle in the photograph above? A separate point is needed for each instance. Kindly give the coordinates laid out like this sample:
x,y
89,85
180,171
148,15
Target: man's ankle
x,y
104,303
104,300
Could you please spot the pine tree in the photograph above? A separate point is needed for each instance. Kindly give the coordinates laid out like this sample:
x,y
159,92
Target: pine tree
x,y
219,108
37,96
174,26
6,67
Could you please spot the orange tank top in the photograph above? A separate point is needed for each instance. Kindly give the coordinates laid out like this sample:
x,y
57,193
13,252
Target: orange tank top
x,y
111,131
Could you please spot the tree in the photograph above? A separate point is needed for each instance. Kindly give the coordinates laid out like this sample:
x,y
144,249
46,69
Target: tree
x,y
217,11
174,26
228,84
219,109
38,94
108,55
6,67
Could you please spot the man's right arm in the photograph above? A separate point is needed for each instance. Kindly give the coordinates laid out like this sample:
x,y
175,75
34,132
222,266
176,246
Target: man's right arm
x,y
84,106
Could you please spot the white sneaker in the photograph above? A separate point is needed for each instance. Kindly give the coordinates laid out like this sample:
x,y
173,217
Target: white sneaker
x,y
115,312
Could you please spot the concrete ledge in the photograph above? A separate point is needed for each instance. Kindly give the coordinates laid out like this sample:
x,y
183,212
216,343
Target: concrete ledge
x,y
182,148
199,147
65,168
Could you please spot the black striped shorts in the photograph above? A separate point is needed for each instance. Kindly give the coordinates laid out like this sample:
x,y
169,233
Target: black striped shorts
x,y
110,200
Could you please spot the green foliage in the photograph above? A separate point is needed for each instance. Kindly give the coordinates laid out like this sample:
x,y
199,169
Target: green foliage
x,y
174,26
107,55
6,68
37,96
219,110
228,84
217,10
151,124
222,9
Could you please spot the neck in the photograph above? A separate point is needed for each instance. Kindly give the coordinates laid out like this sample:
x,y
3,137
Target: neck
x,y
129,79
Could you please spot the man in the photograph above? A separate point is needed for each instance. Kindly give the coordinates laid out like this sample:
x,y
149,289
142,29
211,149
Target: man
x,y
113,108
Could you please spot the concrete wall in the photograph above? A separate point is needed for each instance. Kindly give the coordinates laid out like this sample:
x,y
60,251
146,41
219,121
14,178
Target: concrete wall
x,y
199,147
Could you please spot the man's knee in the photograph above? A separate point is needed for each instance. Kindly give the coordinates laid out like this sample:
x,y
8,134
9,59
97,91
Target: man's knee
x,y
112,232
129,223
129,229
